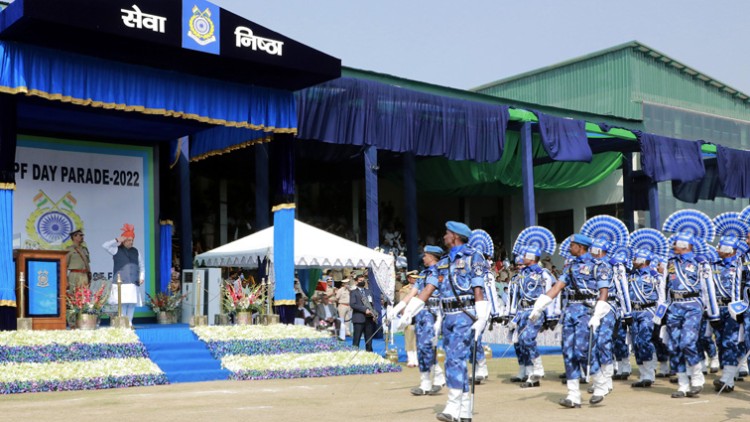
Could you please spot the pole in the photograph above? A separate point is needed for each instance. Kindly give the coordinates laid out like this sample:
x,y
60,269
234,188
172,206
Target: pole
x,y
119,296
21,296
199,293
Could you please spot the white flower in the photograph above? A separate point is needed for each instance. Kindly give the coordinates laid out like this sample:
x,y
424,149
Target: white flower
x,y
256,332
60,371
41,338
292,361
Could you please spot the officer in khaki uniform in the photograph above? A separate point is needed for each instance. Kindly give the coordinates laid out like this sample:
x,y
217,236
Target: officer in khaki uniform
x,y
410,335
79,263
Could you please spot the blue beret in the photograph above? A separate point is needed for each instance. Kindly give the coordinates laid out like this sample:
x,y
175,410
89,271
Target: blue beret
x,y
600,243
532,249
460,229
435,250
581,239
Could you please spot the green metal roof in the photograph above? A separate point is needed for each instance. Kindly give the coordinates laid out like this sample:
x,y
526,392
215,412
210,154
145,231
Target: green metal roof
x,y
617,81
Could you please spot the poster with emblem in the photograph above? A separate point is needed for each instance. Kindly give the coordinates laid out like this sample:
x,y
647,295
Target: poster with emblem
x,y
66,185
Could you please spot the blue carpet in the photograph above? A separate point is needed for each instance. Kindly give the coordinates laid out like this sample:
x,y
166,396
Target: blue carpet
x,y
498,350
179,353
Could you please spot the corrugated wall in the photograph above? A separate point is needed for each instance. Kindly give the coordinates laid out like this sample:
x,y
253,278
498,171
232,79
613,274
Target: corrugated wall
x,y
600,85
660,83
617,83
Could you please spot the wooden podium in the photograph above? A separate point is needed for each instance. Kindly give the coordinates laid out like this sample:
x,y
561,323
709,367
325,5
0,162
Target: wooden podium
x,y
46,275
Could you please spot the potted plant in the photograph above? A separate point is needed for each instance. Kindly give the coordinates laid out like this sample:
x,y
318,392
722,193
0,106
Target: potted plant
x,y
242,302
86,306
166,306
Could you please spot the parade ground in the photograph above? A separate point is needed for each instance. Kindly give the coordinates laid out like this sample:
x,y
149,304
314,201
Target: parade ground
x,y
373,398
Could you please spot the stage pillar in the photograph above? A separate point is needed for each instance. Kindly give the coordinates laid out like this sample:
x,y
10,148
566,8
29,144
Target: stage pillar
x,y
8,113
527,175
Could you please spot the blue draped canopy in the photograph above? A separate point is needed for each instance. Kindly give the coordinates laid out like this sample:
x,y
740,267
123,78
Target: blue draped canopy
x,y
665,158
367,113
83,80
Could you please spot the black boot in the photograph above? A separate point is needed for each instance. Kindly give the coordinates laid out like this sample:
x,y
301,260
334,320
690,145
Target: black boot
x,y
642,384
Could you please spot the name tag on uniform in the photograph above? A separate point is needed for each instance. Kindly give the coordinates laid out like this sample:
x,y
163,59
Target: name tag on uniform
x,y
535,276
585,270
460,263
690,267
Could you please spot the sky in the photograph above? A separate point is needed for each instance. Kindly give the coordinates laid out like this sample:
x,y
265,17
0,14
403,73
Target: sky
x,y
465,44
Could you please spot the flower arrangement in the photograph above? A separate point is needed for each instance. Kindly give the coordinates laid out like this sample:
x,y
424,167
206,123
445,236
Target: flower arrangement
x,y
84,301
306,365
165,302
79,375
242,299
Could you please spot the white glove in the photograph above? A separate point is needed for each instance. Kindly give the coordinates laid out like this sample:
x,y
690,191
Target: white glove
x,y
600,310
415,305
394,310
482,309
539,306
437,327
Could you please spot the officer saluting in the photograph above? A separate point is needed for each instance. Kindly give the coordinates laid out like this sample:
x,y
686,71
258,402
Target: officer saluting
x,y
461,284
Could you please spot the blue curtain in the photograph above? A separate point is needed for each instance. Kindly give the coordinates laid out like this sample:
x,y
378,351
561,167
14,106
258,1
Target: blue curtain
x,y
7,268
221,140
367,113
165,254
88,81
564,139
283,255
734,171
664,158
708,187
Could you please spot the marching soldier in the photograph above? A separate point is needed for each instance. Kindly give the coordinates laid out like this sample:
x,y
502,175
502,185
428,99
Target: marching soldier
x,y
727,279
532,281
428,322
643,285
686,285
460,282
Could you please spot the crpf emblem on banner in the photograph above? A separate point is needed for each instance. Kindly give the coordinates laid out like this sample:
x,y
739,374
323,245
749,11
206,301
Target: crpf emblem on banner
x,y
42,278
49,226
201,27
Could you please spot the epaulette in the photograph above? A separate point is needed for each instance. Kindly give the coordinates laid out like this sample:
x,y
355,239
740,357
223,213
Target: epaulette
x,y
443,267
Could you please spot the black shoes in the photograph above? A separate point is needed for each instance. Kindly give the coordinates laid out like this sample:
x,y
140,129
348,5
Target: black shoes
x,y
642,384
445,417
678,395
518,379
719,385
530,384
569,404
694,391
596,399
431,392
622,376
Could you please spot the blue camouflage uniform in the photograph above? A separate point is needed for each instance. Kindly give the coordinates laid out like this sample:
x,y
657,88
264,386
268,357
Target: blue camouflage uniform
x,y
685,291
532,282
459,273
603,350
425,320
727,275
584,290
644,294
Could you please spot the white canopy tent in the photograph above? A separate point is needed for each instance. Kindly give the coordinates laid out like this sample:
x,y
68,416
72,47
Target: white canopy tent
x,y
313,248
